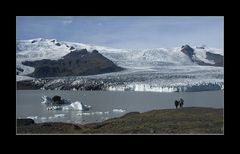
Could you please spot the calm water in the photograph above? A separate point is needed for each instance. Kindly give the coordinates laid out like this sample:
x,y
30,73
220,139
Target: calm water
x,y
28,103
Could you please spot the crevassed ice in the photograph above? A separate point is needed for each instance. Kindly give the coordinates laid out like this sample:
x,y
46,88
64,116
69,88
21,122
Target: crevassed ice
x,y
142,87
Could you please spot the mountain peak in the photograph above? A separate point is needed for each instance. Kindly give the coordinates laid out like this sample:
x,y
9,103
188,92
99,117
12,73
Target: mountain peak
x,y
37,40
187,50
77,54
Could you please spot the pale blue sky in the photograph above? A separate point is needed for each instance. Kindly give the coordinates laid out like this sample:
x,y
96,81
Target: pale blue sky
x,y
125,31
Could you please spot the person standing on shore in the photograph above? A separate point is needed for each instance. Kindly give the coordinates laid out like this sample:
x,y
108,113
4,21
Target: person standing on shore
x,y
181,102
176,103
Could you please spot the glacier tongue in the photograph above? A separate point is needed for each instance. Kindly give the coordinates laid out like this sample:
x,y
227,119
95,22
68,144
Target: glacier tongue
x,y
159,70
142,87
186,88
161,79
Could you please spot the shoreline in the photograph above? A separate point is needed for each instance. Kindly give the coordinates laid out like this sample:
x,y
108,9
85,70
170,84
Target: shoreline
x,y
187,120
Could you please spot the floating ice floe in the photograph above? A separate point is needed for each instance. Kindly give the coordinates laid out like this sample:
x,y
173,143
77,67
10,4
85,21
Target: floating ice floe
x,y
59,115
107,112
32,117
43,118
86,114
104,118
54,108
50,117
118,110
77,106
93,113
99,113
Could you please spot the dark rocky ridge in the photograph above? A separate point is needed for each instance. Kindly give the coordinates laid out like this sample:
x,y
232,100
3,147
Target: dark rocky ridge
x,y
76,63
188,51
217,58
24,122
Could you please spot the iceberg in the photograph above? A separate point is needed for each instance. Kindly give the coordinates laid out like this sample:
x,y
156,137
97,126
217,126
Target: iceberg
x,y
64,105
86,114
118,110
77,106
43,118
49,101
32,117
59,115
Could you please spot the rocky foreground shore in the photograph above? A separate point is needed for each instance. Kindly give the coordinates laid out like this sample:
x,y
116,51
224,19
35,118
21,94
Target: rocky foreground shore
x,y
189,120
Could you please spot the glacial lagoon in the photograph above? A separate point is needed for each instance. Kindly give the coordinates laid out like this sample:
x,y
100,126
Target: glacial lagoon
x,y
107,104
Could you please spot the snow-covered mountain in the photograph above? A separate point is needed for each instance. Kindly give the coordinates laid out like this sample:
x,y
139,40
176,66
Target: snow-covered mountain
x,y
37,49
76,63
154,68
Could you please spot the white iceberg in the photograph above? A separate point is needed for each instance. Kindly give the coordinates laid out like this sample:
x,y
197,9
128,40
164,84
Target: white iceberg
x,y
65,104
32,117
43,118
54,108
107,112
99,113
77,106
118,110
86,113
59,115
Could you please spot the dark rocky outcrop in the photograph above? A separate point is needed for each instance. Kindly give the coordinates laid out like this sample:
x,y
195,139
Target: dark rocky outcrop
x,y
34,41
94,51
188,51
72,48
58,44
19,69
23,122
76,54
218,59
56,98
76,63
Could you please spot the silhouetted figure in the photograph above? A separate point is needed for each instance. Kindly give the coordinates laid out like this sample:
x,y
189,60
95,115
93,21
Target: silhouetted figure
x,y
181,102
176,103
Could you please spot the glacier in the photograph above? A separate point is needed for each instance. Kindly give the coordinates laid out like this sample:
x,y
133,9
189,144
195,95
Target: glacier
x,y
153,70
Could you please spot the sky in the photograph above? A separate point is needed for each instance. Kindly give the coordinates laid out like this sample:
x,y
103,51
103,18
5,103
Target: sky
x,y
126,31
